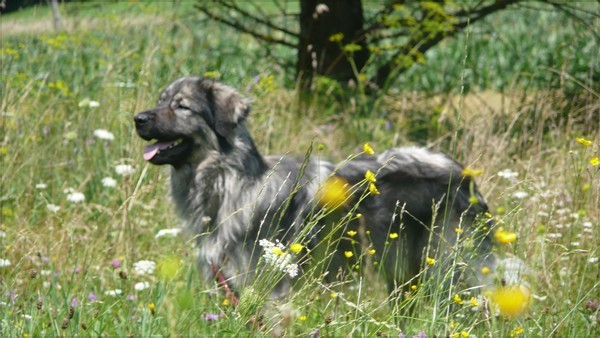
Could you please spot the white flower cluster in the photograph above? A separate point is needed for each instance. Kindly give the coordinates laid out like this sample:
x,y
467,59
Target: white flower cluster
x,y
104,134
109,182
115,292
141,286
276,256
74,196
144,267
508,174
124,169
168,232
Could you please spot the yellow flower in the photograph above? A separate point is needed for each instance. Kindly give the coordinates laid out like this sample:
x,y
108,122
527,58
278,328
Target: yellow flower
x,y
370,176
348,254
151,307
277,251
373,189
213,74
372,252
595,161
302,318
394,235
458,230
457,299
485,270
358,215
430,261
368,150
333,294
225,301
334,192
505,237
336,37
351,233
469,172
413,287
296,248
511,301
474,302
462,334
517,331
583,141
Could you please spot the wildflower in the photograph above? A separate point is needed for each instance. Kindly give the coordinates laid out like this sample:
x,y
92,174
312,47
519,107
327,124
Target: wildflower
x,y
53,208
348,254
167,232
336,37
367,149
508,174
413,287
151,307
520,194
430,261
517,331
41,186
394,235
351,233
104,134
469,172
372,251
511,301
457,299
370,176
296,248
2,234
583,141
141,286
485,270
225,301
321,8
473,199
211,317
302,318
333,294
144,267
4,263
373,189
459,230
109,182
334,192
275,256
591,260
124,170
115,263
115,292
92,297
75,197
505,237
595,161
474,302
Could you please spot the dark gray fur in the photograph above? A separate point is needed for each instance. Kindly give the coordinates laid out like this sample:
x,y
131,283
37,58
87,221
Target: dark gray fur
x,y
230,196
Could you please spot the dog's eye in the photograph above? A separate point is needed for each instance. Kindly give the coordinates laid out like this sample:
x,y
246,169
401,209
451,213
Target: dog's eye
x,y
181,106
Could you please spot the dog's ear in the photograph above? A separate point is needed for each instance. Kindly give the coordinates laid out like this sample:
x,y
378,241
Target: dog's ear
x,y
231,109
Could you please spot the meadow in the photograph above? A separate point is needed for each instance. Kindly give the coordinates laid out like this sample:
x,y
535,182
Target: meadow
x,y
88,245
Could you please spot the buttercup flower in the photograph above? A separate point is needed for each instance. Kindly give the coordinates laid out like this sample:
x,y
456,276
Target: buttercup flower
x,y
334,192
511,301
296,248
351,233
372,251
348,254
457,299
505,237
583,141
469,172
370,176
595,161
367,149
373,189
430,261
394,235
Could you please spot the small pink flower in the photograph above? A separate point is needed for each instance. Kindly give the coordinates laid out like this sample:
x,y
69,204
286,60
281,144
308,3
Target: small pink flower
x,y
115,263
92,297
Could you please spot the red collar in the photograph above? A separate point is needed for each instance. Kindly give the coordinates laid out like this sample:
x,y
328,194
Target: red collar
x,y
223,283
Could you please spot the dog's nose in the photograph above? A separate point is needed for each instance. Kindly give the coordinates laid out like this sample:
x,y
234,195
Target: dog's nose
x,y
141,118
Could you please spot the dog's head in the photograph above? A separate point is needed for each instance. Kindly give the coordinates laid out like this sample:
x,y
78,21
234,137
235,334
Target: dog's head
x,y
193,117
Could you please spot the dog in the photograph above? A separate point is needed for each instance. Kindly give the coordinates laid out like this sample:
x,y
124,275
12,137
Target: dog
x,y
231,197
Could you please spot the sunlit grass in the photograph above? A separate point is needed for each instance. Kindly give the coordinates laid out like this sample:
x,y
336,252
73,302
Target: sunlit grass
x,y
86,234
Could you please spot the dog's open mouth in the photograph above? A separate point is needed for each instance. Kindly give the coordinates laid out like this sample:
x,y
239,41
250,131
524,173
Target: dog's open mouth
x,y
162,152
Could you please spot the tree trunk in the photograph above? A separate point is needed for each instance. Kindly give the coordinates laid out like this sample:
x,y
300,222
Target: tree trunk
x,y
56,15
317,54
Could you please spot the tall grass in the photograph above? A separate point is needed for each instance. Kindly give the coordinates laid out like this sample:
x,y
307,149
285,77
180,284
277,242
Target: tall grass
x,y
66,264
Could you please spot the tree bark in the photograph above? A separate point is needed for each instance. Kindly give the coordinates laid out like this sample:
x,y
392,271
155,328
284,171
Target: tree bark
x,y
56,15
316,53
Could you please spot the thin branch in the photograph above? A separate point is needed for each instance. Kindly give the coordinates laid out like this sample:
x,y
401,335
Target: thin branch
x,y
262,21
238,26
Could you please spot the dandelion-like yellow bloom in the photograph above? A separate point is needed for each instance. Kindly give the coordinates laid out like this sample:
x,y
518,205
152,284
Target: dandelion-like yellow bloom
x,y
296,247
351,233
372,251
485,270
469,172
430,261
302,318
413,287
457,299
511,301
595,161
394,235
334,192
370,176
151,307
474,302
348,254
277,251
583,141
368,150
505,237
373,189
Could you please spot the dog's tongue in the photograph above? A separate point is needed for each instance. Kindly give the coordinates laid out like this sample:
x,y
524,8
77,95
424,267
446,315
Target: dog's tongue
x,y
151,150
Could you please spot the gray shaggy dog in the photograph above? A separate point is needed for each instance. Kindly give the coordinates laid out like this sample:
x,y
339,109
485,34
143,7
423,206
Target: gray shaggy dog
x,y
231,197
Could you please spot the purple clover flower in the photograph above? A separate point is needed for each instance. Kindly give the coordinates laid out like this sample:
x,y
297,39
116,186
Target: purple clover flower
x,y
115,263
